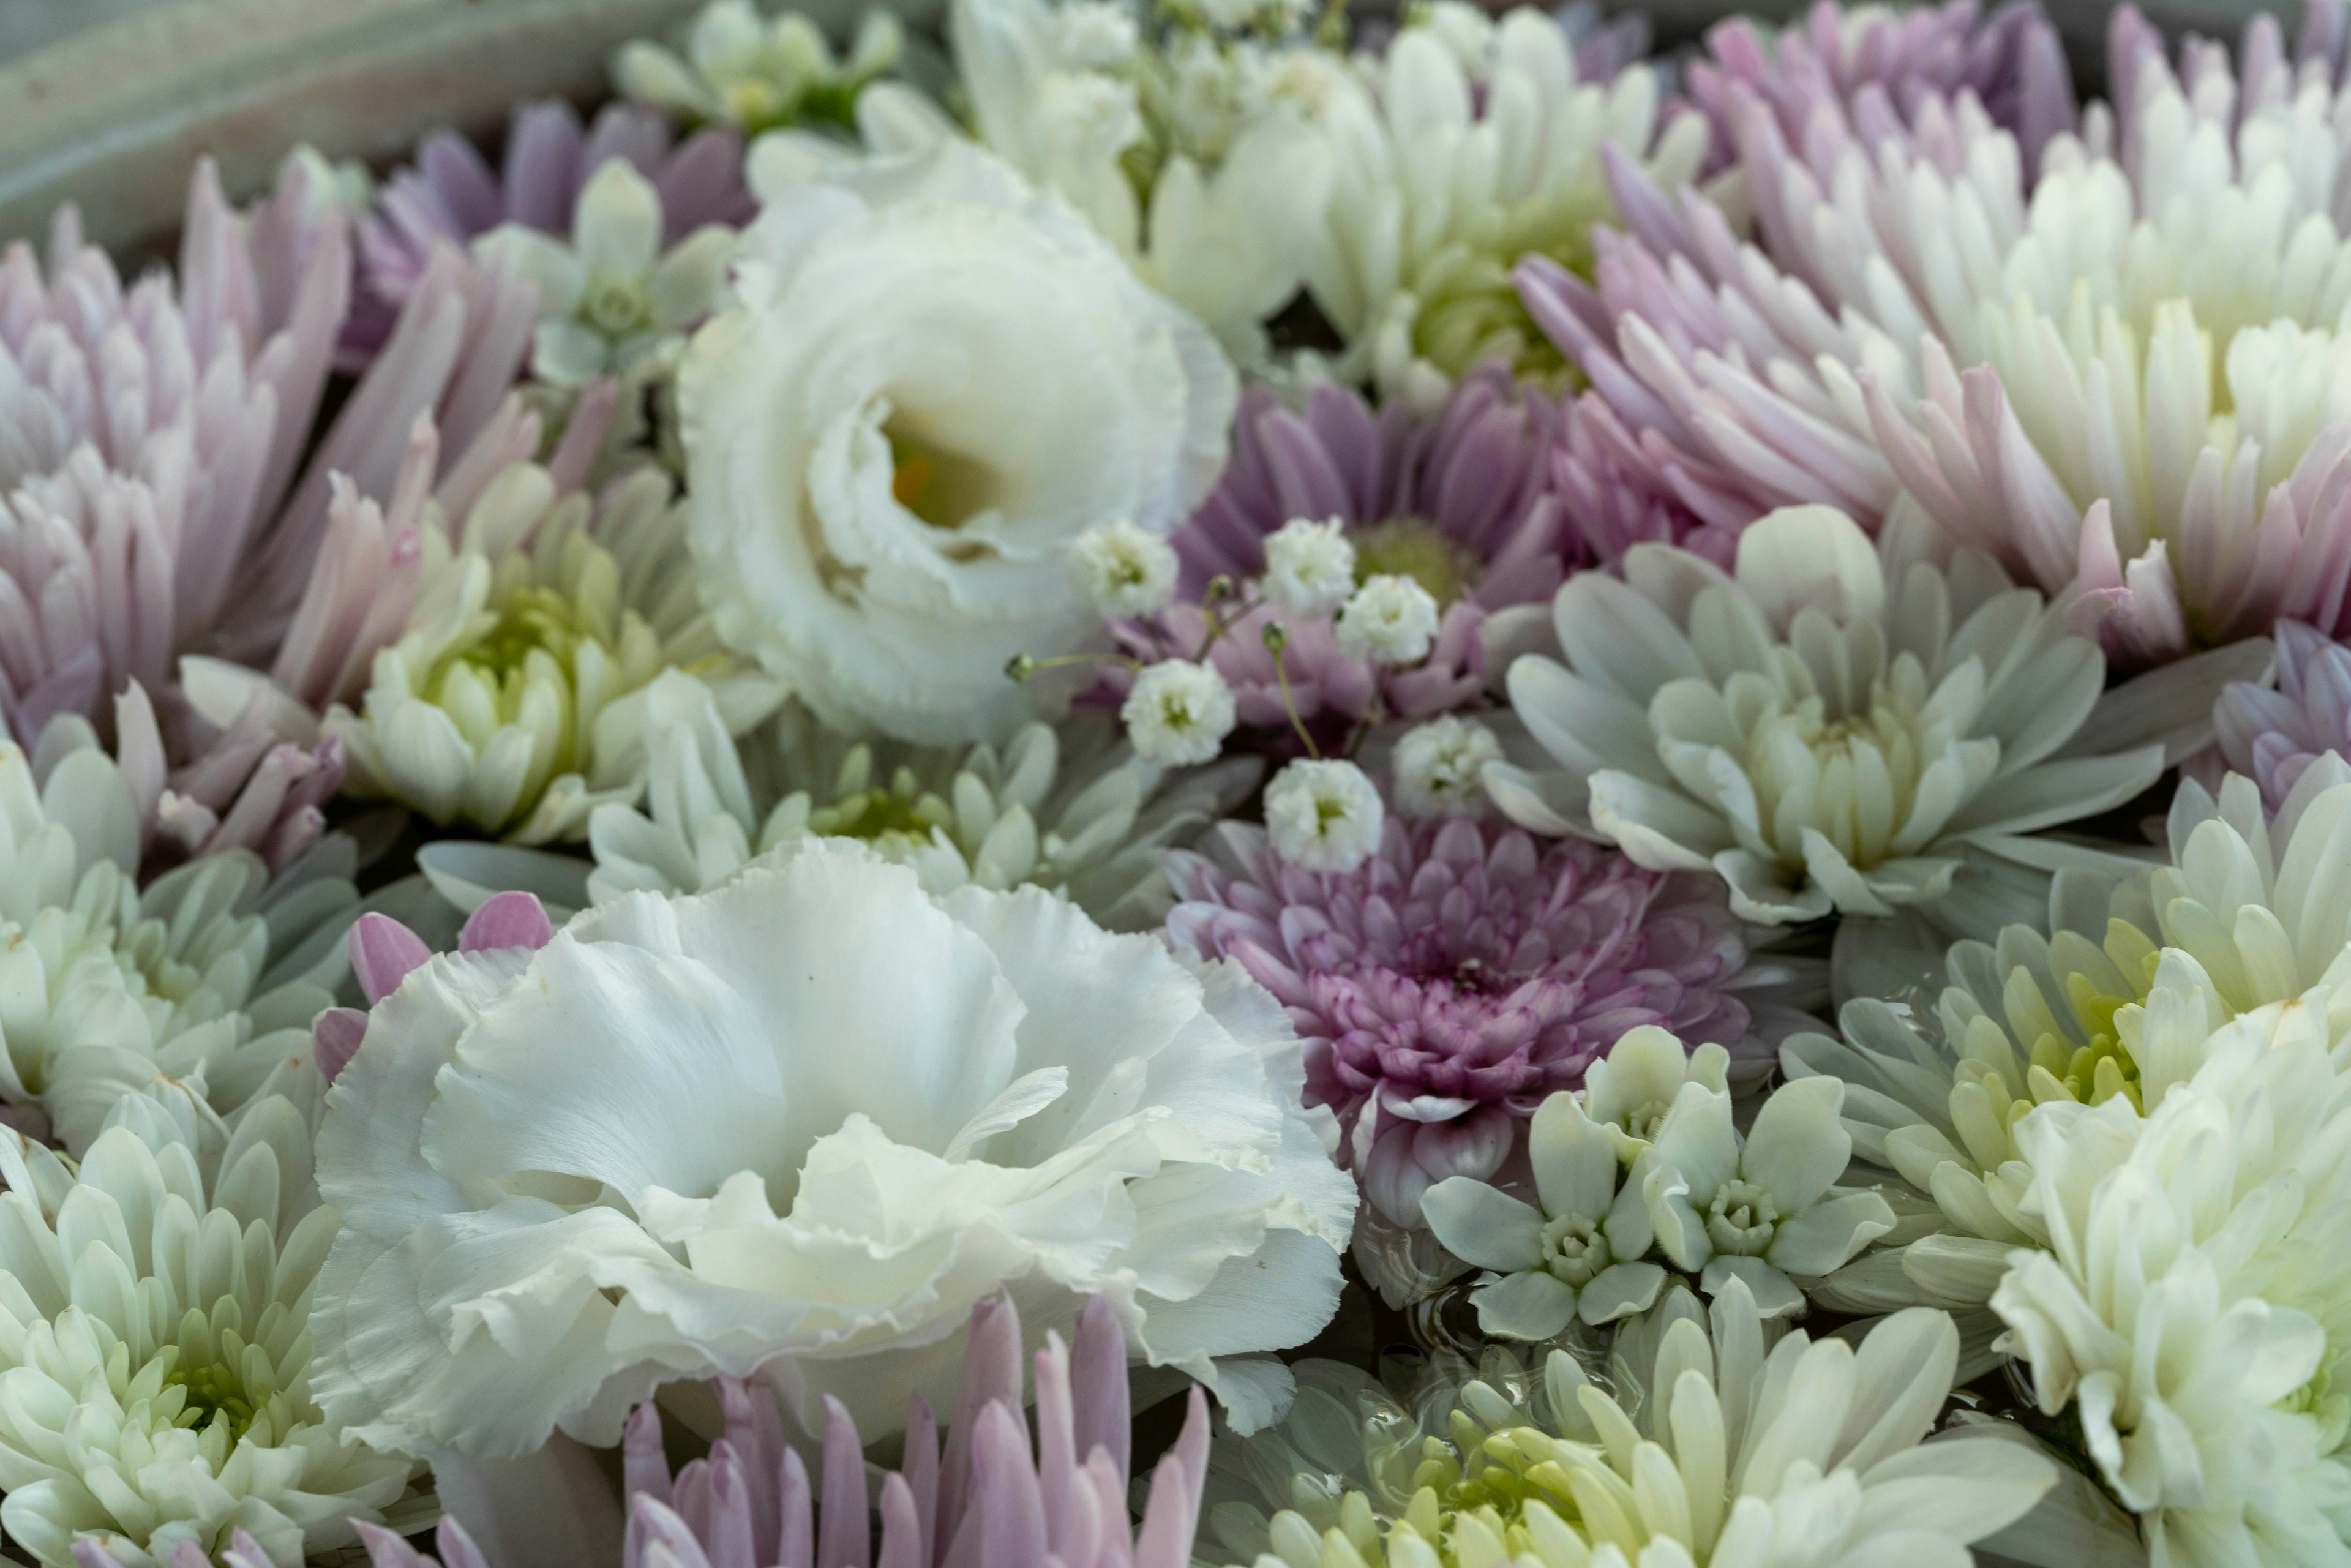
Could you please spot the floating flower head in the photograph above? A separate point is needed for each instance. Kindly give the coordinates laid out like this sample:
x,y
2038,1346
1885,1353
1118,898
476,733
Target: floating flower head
x,y
1757,1208
2190,1304
1456,500
208,976
1822,729
151,434
1062,806
1552,1256
2129,371
993,1071
1450,165
1729,1446
2117,1002
616,300
451,195
156,1396
757,73
1465,972
887,538
514,698
1188,137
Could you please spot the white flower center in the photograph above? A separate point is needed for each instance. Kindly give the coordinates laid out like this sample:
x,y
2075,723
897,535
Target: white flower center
x,y
1742,1219
1852,777
617,306
1644,1120
1574,1250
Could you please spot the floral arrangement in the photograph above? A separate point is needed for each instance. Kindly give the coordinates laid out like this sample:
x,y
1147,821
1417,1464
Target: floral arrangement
x,y
1566,808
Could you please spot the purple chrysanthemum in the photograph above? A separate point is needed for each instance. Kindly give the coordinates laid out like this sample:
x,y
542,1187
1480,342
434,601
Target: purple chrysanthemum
x,y
1462,973
2270,736
452,195
1459,501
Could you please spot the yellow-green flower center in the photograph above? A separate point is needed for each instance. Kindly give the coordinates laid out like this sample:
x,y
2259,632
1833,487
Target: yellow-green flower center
x,y
1417,548
617,305
1742,1219
900,815
214,1394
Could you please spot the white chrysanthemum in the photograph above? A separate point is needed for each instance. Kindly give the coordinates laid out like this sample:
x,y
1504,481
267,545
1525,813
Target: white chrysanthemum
x,y
1065,808
1440,767
210,975
938,380
1198,158
612,301
1440,186
1553,1256
2193,1304
1823,729
1391,620
804,1122
1178,712
1310,566
1323,815
156,1346
1124,570
1721,1449
514,699
2118,1002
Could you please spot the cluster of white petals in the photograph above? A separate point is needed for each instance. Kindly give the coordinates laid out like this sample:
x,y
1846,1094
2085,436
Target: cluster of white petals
x,y
1827,727
805,1122
155,1343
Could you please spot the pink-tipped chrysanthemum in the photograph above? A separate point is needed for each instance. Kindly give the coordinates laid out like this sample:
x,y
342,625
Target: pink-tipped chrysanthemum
x,y
1465,971
2270,736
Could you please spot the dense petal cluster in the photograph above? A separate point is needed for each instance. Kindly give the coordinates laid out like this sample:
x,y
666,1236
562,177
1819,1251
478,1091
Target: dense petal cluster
x,y
968,691
931,1097
1465,971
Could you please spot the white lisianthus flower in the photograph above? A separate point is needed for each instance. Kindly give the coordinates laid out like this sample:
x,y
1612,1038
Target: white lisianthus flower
x,y
1553,1256
513,700
1323,815
1310,566
154,1310
1391,620
1757,1210
2190,1305
211,974
804,1122
1439,767
1178,712
612,301
1124,570
935,381
1820,732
